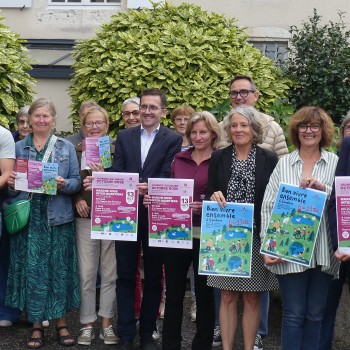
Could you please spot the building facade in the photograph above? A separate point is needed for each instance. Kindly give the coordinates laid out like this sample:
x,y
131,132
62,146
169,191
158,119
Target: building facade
x,y
51,27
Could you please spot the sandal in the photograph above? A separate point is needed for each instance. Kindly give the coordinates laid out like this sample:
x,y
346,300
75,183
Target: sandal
x,y
37,342
65,340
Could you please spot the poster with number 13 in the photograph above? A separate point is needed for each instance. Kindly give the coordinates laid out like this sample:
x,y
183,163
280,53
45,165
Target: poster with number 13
x,y
170,215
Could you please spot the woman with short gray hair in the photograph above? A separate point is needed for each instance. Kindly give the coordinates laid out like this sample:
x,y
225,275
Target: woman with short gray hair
x,y
239,173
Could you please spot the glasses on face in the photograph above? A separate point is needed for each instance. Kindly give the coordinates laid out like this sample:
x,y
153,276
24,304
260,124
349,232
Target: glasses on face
x,y
313,127
244,93
133,113
23,122
98,124
182,120
151,108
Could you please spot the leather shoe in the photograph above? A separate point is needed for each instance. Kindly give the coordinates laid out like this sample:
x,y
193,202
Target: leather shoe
x,y
150,345
124,345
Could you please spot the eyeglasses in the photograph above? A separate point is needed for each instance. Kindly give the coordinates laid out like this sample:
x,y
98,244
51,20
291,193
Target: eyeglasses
x,y
180,120
151,108
133,113
313,127
244,93
23,122
98,124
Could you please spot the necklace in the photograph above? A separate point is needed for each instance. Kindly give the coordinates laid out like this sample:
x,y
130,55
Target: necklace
x,y
40,145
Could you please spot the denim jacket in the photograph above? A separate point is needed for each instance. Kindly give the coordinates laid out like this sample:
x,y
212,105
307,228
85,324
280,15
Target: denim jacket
x,y
60,208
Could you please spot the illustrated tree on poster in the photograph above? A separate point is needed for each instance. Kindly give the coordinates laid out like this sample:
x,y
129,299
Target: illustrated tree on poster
x,y
311,238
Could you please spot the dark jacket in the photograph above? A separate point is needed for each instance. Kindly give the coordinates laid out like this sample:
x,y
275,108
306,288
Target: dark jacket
x,y
342,169
219,176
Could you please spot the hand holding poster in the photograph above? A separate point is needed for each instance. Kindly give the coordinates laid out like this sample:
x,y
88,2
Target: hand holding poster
x,y
293,227
170,216
37,177
342,196
96,150
226,239
114,206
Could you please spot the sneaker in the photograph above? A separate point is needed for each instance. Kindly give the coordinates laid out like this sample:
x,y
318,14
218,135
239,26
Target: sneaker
x,y
156,334
46,323
258,344
86,336
193,311
217,337
108,336
5,323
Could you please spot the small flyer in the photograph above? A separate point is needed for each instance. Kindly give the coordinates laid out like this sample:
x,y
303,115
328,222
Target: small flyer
x,y
36,177
96,150
114,209
226,239
342,197
294,224
170,216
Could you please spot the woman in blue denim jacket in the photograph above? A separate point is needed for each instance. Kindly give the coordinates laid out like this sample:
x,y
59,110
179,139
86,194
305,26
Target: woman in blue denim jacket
x,y
43,275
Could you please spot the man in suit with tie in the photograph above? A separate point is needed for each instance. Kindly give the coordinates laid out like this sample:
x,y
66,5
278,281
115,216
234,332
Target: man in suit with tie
x,y
147,149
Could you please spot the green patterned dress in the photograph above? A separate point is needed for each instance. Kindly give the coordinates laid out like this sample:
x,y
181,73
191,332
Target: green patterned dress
x,y
43,278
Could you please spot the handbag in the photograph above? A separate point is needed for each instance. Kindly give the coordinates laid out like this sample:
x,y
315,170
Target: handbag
x,y
16,214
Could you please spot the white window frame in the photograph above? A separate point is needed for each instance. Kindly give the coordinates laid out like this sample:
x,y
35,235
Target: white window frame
x,y
83,3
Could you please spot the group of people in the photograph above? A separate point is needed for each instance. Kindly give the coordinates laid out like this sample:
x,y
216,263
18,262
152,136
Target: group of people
x,y
52,265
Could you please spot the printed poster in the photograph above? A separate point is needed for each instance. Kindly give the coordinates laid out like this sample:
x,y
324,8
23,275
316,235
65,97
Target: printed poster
x,y
342,197
36,177
114,206
226,239
170,216
96,150
294,224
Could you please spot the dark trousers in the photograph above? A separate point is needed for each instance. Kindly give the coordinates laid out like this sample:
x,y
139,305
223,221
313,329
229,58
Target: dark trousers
x,y
177,263
127,258
330,313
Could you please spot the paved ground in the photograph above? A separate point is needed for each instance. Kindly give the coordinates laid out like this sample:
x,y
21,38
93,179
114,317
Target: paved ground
x,y
15,337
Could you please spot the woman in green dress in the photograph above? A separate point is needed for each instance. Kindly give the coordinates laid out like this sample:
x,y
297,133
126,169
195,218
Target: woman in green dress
x,y
43,274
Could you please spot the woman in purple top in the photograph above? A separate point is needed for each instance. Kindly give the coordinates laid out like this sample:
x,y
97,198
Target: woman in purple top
x,y
203,133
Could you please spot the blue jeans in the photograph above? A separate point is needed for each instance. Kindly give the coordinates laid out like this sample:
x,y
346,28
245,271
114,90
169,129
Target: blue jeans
x,y
264,314
333,299
304,297
6,313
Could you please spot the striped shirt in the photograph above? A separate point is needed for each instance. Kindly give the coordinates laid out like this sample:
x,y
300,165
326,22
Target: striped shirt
x,y
289,169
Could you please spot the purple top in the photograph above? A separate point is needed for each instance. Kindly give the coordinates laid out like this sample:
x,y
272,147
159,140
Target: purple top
x,y
184,167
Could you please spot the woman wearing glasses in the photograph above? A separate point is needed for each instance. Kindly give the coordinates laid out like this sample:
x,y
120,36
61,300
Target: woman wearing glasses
x,y
93,253
131,112
304,289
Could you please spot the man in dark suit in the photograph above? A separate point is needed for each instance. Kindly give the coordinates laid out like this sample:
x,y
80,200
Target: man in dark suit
x,y
147,149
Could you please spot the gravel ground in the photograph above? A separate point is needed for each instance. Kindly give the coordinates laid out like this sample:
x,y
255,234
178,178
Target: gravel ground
x,y
15,337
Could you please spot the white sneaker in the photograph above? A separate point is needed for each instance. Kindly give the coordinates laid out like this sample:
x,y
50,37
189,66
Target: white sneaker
x,y
193,311
46,323
5,323
86,336
156,334
108,336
